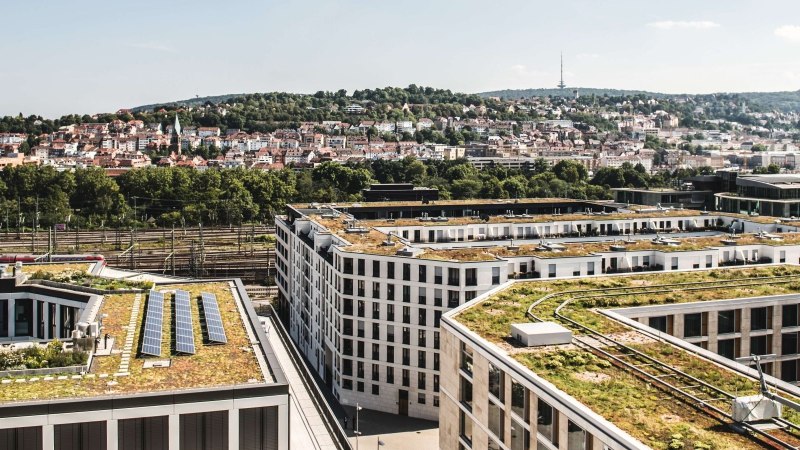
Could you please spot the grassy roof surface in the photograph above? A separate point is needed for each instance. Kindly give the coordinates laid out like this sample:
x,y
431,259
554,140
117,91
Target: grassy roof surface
x,y
648,414
211,366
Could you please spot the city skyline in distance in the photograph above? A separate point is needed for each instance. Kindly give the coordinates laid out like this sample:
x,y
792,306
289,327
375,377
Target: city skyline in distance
x,y
90,66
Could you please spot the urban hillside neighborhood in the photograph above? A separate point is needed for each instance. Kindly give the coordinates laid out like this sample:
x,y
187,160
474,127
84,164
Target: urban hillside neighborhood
x,y
329,146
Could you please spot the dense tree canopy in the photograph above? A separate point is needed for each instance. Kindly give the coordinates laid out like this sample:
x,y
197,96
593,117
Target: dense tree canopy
x,y
178,195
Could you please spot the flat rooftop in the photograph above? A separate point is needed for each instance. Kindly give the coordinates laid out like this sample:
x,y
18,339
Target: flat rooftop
x,y
611,390
242,361
374,237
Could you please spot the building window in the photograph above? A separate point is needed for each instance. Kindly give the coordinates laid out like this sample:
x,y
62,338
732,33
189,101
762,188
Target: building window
x,y
789,343
437,297
347,384
520,437
437,275
495,382
727,321
390,313
389,292
390,375
495,275
361,269
376,269
406,357
453,299
466,358
390,353
376,389
421,359
421,337
789,316
465,427
423,274
659,323
436,383
465,395
406,378
348,266
390,333
436,401
421,398
693,325
390,270
576,437
496,420
360,386
406,314
406,272
759,318
471,277
421,380
547,422
727,348
348,286
453,276
760,345
674,263
375,375
406,293
376,310
519,400
376,290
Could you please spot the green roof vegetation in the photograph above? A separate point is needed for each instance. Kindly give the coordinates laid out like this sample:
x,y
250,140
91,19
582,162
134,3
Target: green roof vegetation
x,y
647,413
211,366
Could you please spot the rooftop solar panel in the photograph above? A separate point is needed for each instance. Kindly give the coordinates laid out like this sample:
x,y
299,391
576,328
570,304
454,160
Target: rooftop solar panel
x,y
153,324
184,332
216,331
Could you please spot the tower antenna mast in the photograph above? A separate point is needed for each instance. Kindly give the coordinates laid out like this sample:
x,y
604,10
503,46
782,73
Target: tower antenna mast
x,y
561,84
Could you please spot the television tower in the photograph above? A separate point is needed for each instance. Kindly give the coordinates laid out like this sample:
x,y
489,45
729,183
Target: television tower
x,y
561,84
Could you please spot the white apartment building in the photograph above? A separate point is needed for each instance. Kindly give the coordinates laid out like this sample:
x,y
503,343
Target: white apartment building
x,y
362,288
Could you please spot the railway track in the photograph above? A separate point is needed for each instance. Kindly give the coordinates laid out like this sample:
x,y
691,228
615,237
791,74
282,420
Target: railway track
x,y
705,397
239,252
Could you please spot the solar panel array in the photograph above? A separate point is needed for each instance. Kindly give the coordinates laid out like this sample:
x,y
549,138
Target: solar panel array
x,y
184,332
153,324
216,332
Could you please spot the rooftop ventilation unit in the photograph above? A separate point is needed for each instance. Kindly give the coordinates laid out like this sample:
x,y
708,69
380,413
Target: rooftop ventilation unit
x,y
540,334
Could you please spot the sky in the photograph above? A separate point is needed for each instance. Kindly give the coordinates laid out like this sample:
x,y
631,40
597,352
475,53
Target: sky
x,y
87,56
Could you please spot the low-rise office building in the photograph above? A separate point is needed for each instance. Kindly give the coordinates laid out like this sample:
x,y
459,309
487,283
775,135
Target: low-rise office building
x,y
362,287
623,362
768,195
182,365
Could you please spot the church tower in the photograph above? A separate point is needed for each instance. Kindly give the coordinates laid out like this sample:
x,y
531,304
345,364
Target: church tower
x,y
177,130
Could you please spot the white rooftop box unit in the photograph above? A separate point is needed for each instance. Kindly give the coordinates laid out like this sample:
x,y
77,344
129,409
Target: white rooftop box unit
x,y
754,408
541,333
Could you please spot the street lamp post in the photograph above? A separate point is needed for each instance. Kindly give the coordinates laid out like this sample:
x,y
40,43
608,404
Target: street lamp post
x,y
358,424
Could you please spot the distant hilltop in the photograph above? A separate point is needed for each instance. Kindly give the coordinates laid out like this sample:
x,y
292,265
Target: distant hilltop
x,y
215,99
517,94
782,101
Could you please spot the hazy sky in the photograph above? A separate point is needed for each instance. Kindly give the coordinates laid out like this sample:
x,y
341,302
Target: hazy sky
x,y
85,56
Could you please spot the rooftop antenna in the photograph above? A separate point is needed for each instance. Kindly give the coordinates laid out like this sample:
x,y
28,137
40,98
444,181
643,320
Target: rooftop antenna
x,y
561,84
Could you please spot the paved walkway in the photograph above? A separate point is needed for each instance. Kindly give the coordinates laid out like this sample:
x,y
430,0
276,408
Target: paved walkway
x,y
306,427
395,432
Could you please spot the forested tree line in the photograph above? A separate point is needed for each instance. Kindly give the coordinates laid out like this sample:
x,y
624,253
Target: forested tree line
x,y
266,112
87,198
